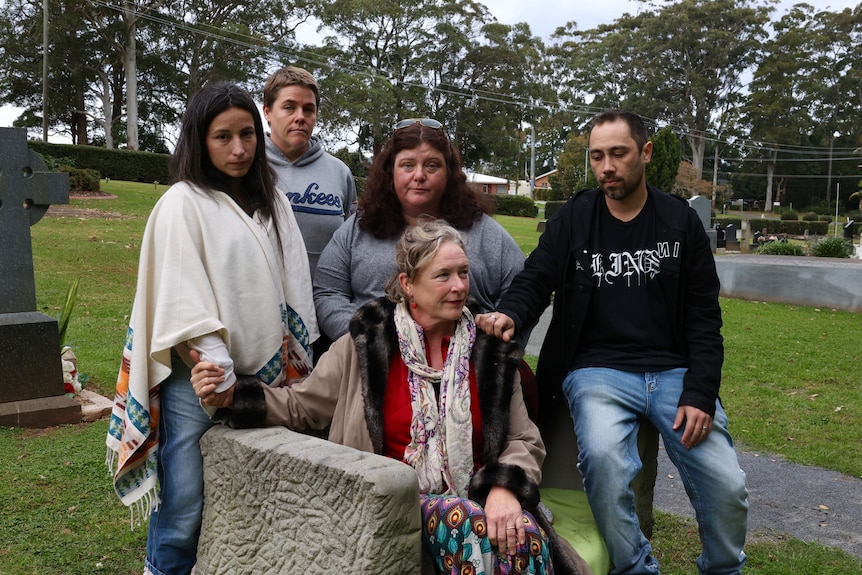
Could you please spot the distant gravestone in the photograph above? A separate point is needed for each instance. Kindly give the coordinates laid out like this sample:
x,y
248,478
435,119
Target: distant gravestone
x,y
731,243
703,207
31,376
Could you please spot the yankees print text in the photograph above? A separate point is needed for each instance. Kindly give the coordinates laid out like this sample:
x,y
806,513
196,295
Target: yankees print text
x,y
315,202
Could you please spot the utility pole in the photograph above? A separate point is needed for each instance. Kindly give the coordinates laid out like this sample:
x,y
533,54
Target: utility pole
x,y
532,161
44,70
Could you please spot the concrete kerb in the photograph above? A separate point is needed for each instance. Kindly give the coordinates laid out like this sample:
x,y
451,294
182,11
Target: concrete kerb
x,y
819,282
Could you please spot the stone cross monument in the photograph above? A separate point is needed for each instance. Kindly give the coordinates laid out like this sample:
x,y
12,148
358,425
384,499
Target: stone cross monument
x,y
31,376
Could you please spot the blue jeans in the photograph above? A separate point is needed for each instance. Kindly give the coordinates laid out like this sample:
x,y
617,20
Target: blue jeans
x,y
172,539
605,406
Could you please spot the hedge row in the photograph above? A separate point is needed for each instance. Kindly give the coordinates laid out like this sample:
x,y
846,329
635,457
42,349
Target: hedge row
x,y
113,164
508,205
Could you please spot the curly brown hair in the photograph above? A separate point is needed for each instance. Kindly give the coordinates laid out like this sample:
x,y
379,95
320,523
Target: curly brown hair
x,y
379,209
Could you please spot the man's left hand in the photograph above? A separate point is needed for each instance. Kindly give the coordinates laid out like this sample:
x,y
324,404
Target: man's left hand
x,y
698,424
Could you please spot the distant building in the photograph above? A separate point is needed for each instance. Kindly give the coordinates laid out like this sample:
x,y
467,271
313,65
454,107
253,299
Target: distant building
x,y
488,184
519,188
543,181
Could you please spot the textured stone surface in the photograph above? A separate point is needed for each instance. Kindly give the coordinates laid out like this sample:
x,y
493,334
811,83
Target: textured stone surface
x,y
279,502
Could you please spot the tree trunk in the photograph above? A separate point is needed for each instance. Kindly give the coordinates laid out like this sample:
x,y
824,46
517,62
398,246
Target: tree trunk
x,y
698,148
107,112
131,69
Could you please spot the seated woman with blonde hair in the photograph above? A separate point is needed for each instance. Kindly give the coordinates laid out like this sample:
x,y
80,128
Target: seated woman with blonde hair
x,y
413,380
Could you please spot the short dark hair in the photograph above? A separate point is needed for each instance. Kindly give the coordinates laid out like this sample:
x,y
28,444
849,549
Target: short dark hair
x,y
379,209
637,126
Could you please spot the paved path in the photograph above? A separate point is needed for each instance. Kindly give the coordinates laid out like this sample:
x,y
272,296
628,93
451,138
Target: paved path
x,y
808,503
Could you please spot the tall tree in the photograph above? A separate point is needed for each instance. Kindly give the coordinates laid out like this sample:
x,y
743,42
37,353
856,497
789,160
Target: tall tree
x,y
775,110
72,50
683,64
666,156
573,171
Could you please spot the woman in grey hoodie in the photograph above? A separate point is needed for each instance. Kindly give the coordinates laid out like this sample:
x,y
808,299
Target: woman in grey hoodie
x,y
319,186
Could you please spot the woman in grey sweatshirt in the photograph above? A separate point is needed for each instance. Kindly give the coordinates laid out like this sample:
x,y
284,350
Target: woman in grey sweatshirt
x,y
417,174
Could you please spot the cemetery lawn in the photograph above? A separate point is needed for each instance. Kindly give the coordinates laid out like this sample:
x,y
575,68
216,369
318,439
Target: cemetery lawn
x,y
791,385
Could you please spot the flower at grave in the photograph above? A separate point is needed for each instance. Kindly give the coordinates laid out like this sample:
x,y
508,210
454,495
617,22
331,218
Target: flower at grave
x,y
71,385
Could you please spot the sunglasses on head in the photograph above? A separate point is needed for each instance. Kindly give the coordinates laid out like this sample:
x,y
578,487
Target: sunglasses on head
x,y
429,122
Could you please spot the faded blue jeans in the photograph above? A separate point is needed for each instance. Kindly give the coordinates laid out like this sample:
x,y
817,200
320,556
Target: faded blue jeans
x,y
172,540
605,405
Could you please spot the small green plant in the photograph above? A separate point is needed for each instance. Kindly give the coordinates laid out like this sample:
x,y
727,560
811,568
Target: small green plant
x,y
831,248
789,215
809,217
781,249
66,310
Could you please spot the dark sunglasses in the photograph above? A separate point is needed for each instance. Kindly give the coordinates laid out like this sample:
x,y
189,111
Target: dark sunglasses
x,y
429,122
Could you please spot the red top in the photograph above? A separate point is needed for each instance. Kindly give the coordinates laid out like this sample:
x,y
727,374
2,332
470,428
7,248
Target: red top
x,y
398,413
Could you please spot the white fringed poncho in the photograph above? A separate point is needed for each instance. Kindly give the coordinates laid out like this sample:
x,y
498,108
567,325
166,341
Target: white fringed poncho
x,y
206,267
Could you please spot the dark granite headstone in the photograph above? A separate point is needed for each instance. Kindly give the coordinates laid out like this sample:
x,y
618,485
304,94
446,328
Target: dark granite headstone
x,y
703,207
31,376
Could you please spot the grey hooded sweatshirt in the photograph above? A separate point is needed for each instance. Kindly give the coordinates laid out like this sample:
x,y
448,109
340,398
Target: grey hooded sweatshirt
x,y
321,190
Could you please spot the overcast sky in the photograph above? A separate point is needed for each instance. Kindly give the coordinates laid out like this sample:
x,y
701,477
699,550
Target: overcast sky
x,y
544,16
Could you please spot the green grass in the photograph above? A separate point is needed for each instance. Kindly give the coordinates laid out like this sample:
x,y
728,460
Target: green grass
x,y
791,387
791,382
60,515
103,254
523,230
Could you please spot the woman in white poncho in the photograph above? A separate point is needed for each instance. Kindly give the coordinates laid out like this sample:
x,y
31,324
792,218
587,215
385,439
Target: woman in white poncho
x,y
222,271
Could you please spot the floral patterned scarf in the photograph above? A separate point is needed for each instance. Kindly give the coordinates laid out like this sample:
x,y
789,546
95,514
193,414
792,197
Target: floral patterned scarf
x,y
441,431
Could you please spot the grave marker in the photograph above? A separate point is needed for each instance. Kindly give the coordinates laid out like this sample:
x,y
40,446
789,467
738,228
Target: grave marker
x,y
703,206
31,376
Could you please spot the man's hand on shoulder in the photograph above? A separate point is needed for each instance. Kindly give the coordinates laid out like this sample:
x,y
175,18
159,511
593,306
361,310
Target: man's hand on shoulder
x,y
497,324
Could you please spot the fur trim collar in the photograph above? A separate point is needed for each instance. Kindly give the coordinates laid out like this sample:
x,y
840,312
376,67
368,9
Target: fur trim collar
x,y
495,362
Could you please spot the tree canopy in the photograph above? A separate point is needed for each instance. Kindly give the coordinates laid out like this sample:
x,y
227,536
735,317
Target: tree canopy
x,y
767,102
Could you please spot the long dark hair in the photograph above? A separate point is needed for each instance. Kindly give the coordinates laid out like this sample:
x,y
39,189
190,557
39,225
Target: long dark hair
x,y
380,211
191,161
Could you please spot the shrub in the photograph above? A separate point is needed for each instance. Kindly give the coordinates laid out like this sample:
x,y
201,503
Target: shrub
x,y
831,248
789,215
508,205
82,180
809,217
825,218
781,249
819,209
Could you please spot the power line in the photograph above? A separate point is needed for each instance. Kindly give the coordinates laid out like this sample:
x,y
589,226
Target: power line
x,y
310,57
